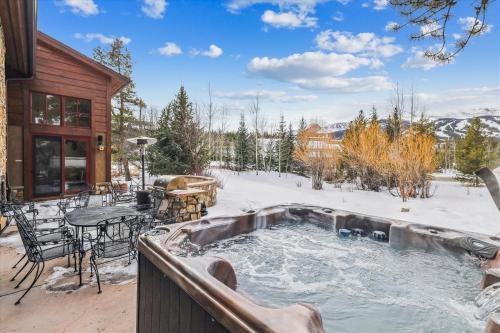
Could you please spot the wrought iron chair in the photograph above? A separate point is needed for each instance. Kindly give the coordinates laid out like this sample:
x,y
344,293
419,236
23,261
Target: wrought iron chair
x,y
45,236
38,255
135,185
80,200
7,209
119,196
115,239
157,216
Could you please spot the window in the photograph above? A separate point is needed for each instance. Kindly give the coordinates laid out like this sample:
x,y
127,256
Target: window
x,y
51,109
76,112
45,109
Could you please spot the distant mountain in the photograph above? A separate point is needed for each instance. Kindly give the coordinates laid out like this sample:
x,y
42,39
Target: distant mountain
x,y
445,127
456,128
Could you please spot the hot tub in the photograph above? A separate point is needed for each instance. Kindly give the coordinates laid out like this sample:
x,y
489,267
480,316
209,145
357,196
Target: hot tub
x,y
296,268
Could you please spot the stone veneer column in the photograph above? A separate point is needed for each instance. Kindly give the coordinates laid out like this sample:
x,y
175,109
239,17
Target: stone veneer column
x,y
3,116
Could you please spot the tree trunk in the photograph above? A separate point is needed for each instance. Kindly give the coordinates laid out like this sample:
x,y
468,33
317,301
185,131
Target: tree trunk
x,y
126,168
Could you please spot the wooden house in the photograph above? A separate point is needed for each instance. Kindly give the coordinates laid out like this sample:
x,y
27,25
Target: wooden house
x,y
58,110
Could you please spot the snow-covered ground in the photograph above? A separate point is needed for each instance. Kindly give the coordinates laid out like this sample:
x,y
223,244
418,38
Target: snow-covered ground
x,y
452,205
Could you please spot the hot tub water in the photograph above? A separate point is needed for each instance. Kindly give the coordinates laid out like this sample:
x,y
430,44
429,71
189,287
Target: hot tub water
x,y
358,285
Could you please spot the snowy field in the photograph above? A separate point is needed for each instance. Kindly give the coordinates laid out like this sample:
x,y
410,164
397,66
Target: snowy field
x,y
452,206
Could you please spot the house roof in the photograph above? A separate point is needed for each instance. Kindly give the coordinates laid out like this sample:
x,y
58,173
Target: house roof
x,y
118,81
18,20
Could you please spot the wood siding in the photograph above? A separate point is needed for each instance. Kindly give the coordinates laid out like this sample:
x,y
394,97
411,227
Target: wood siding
x,y
164,307
61,74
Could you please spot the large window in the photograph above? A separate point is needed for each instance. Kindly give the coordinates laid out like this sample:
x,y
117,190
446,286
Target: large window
x,y
76,112
56,110
45,109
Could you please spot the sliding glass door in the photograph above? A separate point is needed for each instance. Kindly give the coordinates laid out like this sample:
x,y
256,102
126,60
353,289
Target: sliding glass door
x,y
61,165
75,165
47,165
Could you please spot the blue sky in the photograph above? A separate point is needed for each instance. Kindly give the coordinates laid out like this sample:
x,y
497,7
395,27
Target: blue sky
x,y
321,59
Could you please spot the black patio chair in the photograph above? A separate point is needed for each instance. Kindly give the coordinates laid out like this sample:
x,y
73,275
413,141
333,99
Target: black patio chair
x,y
115,239
135,185
67,204
38,255
156,216
119,196
45,236
7,209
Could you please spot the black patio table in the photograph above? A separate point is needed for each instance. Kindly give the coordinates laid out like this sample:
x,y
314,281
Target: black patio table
x,y
90,218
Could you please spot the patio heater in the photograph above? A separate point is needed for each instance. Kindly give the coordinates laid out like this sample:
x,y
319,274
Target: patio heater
x,y
142,142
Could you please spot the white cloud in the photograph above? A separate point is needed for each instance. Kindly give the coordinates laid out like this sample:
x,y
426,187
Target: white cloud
x,y
391,25
457,36
272,95
347,85
469,24
170,49
82,7
213,52
308,64
154,8
464,102
338,17
431,29
365,43
380,4
288,19
292,13
236,6
418,60
89,37
319,70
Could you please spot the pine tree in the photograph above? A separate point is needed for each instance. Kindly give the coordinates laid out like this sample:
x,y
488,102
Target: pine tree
x,y
302,125
118,57
472,152
181,147
161,155
282,146
373,116
242,151
290,147
394,126
424,126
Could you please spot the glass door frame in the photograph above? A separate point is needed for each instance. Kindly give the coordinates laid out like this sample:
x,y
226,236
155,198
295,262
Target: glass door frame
x,y
63,138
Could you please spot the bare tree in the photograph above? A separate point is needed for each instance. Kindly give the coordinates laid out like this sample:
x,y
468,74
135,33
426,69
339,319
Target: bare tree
x,y
210,113
222,133
413,105
255,113
142,105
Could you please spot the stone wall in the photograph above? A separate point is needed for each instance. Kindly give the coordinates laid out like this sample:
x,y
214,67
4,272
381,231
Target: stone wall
x,y
3,116
185,207
207,184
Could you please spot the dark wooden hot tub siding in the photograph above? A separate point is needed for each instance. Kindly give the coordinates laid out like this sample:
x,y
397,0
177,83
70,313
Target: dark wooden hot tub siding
x,y
164,307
